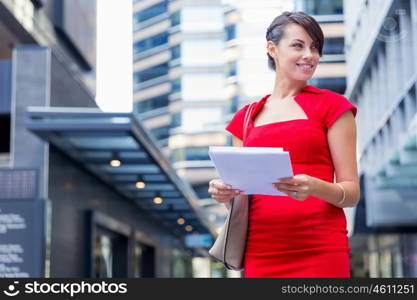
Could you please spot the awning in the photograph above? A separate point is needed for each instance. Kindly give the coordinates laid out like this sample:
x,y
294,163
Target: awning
x,y
116,148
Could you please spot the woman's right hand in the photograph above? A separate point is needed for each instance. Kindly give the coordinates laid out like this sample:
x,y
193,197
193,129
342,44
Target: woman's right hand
x,y
222,192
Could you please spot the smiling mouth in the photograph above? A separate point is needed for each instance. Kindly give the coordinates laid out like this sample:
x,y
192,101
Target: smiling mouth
x,y
305,66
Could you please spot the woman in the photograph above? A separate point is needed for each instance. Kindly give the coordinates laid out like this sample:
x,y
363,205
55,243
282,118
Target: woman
x,y
304,233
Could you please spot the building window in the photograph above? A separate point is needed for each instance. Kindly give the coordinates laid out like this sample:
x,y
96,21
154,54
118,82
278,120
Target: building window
x,y
230,32
337,85
144,261
202,190
151,73
323,7
176,120
161,133
176,85
234,103
151,104
156,40
175,18
190,153
150,12
110,254
197,153
231,68
176,52
334,45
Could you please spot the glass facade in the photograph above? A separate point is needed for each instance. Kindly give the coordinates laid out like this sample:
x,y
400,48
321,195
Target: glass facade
x,y
231,68
149,43
230,31
202,191
110,254
161,132
181,264
143,260
334,45
176,18
323,7
151,73
151,104
176,85
176,52
337,84
190,153
150,12
176,120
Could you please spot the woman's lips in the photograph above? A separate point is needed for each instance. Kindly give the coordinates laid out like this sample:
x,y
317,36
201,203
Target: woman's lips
x,y
307,68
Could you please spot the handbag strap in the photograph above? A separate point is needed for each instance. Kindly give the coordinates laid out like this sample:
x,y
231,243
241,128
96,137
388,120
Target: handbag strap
x,y
247,119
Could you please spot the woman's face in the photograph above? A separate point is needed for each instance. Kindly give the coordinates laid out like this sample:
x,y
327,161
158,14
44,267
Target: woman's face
x,y
295,56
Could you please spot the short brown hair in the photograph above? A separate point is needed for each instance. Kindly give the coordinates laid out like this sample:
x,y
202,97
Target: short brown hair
x,y
275,31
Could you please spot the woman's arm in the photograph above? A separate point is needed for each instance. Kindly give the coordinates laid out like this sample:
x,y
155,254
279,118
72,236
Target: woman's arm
x,y
341,138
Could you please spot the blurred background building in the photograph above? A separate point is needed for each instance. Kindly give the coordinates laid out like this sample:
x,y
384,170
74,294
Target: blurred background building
x,y
83,193
179,82
381,43
125,194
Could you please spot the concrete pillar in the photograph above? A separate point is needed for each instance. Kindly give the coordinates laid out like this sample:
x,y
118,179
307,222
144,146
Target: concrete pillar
x,y
30,86
406,39
31,77
413,21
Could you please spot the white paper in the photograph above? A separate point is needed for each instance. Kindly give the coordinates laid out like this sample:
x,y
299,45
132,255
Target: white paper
x,y
251,169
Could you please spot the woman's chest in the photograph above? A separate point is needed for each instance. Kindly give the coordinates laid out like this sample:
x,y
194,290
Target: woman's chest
x,y
282,111
303,138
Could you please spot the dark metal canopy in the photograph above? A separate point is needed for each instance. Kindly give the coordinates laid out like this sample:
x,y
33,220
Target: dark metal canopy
x,y
116,148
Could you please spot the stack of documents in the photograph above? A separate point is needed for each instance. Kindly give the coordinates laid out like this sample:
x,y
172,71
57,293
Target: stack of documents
x,y
251,169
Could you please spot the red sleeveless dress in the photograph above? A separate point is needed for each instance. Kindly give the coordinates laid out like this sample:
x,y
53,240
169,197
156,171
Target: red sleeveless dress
x,y
287,237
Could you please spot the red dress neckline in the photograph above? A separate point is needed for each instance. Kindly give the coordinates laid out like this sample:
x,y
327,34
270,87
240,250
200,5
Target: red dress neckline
x,y
297,99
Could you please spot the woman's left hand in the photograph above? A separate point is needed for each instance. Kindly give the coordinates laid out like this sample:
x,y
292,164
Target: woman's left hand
x,y
298,187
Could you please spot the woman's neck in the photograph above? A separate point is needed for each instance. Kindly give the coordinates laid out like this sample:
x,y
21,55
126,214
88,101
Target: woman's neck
x,y
285,89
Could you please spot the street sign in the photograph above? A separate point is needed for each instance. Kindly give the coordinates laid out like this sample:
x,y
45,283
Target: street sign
x,y
198,240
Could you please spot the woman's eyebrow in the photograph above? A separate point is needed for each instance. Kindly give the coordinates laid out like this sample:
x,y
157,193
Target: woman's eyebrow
x,y
301,41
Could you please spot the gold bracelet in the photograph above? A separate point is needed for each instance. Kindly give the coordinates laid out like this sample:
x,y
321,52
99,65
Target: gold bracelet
x,y
344,194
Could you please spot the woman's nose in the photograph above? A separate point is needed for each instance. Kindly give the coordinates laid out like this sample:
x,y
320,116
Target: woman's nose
x,y
308,54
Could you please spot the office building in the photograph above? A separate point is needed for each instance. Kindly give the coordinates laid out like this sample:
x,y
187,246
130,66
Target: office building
x,y
381,43
83,193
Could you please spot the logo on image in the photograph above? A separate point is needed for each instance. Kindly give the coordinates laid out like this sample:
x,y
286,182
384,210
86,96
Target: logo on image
x,y
11,291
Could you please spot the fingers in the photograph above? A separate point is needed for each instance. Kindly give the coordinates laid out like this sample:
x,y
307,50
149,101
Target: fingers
x,y
286,186
222,192
298,196
294,191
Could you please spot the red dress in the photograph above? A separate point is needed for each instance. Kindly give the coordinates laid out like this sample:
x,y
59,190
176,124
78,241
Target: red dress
x,y
287,237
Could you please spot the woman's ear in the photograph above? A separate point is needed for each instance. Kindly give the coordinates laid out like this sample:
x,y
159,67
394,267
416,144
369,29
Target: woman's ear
x,y
270,47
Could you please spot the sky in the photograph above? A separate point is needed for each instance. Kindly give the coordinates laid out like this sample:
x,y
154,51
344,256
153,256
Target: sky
x,y
114,55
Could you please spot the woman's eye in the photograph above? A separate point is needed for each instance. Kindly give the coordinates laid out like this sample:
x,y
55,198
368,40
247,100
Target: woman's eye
x,y
296,45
